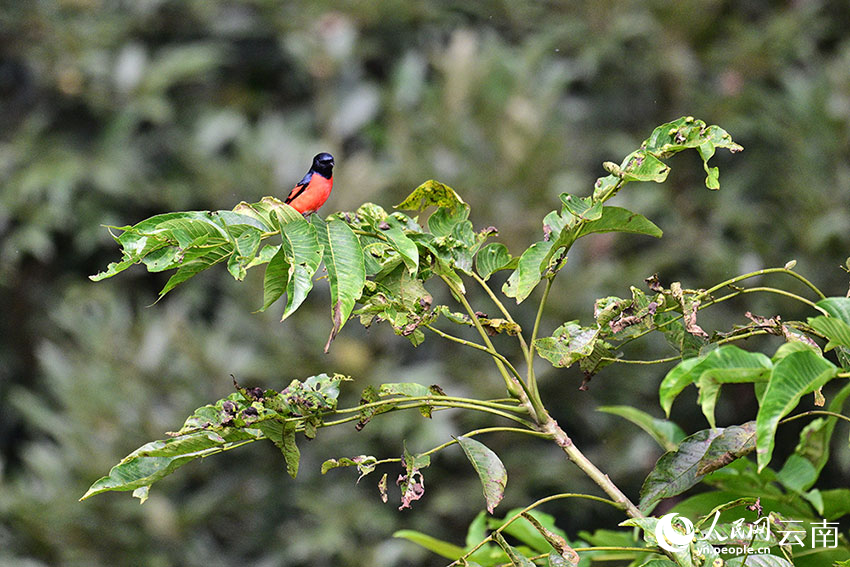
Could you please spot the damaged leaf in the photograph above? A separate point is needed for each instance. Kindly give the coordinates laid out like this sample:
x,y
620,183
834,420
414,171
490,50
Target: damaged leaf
x,y
365,464
490,470
412,483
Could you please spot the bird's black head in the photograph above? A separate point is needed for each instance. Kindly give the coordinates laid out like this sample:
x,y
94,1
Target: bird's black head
x,y
323,163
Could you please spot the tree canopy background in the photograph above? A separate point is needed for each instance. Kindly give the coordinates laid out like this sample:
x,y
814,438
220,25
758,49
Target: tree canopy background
x,y
113,111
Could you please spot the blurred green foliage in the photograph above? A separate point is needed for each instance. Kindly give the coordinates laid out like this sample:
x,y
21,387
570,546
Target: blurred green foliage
x,y
113,111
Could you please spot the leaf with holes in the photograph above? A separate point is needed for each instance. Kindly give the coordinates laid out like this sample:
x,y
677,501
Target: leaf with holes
x,y
431,193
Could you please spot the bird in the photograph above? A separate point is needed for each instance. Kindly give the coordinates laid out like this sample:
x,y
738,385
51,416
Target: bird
x,y
314,189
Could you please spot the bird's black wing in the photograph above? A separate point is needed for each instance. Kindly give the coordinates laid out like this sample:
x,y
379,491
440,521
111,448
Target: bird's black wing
x,y
299,188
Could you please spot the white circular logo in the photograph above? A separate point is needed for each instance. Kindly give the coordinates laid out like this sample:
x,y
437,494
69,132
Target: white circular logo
x,y
674,532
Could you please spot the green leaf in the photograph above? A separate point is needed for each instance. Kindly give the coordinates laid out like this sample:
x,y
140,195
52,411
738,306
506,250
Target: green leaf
x,y
431,193
197,263
733,443
440,547
490,470
265,212
345,264
282,434
666,433
303,252
246,243
797,474
191,241
697,455
265,255
686,132
725,364
402,244
537,259
401,300
612,538
492,258
582,207
528,272
443,221
606,187
794,376
276,278
834,329
645,164
477,530
676,471
673,328
838,307
568,344
291,454
244,416
455,282
836,503
616,219
641,165
157,459
411,390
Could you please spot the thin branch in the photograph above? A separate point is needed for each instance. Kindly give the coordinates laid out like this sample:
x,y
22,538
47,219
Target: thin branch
x,y
502,309
529,361
656,361
407,399
436,407
510,382
786,294
815,412
757,273
742,336
470,434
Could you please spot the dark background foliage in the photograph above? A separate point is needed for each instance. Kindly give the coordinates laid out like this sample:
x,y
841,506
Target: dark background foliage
x,y
112,111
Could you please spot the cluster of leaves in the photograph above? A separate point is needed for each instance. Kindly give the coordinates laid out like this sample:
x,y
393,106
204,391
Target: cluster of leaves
x,y
247,415
378,264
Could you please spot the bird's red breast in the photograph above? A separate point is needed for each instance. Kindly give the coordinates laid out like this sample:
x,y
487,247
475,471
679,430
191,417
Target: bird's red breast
x,y
308,197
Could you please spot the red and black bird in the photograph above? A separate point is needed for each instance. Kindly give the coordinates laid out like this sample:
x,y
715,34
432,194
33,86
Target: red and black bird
x,y
312,191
